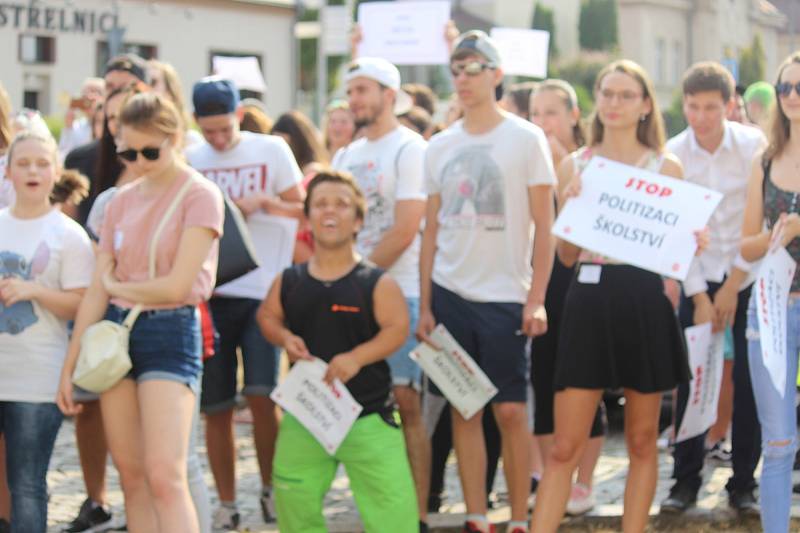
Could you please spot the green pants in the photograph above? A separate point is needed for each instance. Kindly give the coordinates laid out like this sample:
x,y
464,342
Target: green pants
x,y
374,456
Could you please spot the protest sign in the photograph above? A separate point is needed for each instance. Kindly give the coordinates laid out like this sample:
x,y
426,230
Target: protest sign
x,y
405,33
273,238
455,373
637,217
771,293
523,52
705,359
335,30
245,72
326,411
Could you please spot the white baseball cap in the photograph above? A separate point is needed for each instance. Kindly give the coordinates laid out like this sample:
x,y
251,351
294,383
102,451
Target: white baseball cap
x,y
385,73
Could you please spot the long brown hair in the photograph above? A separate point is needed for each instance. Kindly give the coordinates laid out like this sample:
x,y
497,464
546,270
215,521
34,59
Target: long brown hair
x,y
780,128
304,138
5,120
174,87
650,131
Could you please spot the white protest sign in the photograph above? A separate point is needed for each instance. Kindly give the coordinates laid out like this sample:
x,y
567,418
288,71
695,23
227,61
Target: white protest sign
x,y
273,238
335,30
706,359
245,72
523,52
405,33
771,291
326,411
455,373
637,217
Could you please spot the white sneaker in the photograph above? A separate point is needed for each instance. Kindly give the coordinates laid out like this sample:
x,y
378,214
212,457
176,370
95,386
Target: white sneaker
x,y
226,519
580,500
267,502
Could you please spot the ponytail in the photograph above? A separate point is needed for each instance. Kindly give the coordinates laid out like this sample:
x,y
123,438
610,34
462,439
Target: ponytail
x,y
72,188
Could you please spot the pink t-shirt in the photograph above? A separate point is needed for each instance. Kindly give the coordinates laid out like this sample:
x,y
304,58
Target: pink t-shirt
x,y
131,218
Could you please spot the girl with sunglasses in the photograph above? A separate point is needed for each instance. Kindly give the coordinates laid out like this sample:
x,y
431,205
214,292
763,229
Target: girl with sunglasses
x,y
773,198
46,262
149,444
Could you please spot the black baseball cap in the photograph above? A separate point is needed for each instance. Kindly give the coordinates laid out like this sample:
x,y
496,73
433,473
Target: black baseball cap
x,y
214,96
130,63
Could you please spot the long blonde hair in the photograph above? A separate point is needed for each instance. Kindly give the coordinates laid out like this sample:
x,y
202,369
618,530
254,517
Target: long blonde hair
x,y
650,131
780,127
5,120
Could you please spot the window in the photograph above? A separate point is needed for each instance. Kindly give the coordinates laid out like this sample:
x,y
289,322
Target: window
x,y
145,51
30,99
37,49
661,60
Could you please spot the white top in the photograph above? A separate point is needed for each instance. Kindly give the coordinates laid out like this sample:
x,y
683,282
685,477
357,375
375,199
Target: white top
x,y
54,251
79,134
485,238
727,170
258,164
7,194
388,170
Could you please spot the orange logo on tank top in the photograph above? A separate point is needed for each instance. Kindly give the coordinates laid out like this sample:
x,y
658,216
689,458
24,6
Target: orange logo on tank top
x,y
336,308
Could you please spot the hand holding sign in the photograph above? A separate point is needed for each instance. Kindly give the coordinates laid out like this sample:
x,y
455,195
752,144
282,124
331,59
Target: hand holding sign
x,y
342,367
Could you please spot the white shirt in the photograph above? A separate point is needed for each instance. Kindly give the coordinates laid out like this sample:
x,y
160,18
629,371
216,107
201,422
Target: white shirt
x,y
388,169
54,251
78,134
258,164
727,170
7,194
485,238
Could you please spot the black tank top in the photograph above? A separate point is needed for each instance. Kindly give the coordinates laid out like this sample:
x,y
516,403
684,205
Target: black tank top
x,y
333,317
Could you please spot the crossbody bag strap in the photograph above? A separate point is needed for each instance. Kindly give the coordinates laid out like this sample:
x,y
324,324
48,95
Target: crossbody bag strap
x,y
134,313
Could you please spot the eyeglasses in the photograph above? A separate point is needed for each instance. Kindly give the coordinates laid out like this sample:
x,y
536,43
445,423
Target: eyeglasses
x,y
623,96
149,153
784,89
473,68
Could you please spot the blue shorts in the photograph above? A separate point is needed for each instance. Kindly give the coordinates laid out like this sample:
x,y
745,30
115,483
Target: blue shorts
x,y
165,344
488,332
235,321
405,371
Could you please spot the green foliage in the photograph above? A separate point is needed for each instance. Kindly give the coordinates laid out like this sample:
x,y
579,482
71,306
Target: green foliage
x,y
597,25
544,19
752,62
674,120
585,101
55,123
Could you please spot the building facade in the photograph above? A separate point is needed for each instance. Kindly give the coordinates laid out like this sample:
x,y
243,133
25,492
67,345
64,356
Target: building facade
x,y
51,46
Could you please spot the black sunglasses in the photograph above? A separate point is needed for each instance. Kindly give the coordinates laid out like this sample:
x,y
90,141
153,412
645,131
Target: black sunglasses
x,y
149,153
785,88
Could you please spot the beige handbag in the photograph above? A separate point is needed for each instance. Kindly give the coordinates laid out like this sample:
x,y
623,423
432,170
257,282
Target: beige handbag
x,y
104,358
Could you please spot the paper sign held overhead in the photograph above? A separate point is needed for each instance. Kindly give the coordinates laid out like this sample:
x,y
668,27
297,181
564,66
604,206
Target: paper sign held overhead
x,y
245,72
637,217
405,33
523,52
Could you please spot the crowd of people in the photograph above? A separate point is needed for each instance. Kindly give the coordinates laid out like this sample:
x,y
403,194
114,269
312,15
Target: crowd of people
x,y
404,222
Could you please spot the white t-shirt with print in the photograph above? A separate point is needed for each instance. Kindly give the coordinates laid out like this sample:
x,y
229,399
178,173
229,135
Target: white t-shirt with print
x,y
258,164
54,251
388,170
485,238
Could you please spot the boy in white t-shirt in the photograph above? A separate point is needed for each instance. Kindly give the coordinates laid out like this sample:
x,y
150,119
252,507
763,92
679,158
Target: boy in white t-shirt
x,y
388,164
490,183
259,174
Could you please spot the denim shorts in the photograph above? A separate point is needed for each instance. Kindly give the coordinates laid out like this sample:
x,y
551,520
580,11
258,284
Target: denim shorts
x,y
165,344
405,371
235,321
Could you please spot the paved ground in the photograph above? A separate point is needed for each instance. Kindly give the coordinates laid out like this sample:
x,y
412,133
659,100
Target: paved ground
x,y
67,493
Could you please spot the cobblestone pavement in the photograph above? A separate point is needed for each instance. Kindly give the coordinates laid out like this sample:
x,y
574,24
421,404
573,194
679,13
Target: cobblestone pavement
x,y
67,492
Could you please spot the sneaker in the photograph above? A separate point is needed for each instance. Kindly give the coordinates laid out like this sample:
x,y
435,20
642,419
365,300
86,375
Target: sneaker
x,y
580,500
5,527
744,503
91,518
680,498
434,502
226,519
423,527
471,527
718,453
267,502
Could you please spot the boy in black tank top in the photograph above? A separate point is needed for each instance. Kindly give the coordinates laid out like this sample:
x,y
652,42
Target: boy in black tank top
x,y
351,315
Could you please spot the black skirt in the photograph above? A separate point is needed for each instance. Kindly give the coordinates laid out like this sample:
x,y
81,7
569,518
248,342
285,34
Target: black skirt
x,y
620,333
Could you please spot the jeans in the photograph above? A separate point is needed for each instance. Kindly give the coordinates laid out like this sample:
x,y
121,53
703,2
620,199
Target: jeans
x,y
30,431
778,420
746,436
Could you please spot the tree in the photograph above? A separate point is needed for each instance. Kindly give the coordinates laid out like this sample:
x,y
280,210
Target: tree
x,y
544,19
597,25
752,61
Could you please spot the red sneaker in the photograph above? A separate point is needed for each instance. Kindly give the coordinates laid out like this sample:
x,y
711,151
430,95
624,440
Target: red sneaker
x,y
472,527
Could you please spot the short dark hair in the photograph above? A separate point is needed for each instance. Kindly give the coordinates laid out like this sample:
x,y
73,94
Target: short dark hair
x,y
130,63
329,175
709,76
422,95
419,118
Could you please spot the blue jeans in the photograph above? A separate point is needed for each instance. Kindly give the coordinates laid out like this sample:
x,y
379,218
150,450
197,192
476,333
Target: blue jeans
x,y
778,420
30,431
405,371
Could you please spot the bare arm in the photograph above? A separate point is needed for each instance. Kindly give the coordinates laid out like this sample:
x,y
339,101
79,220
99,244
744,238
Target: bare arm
x,y
540,202
407,217
288,203
391,314
176,286
568,186
755,240
62,303
272,321
427,254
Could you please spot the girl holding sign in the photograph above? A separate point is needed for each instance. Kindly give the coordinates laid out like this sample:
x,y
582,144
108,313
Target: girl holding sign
x,y
772,197
618,329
